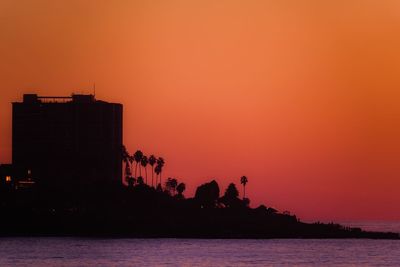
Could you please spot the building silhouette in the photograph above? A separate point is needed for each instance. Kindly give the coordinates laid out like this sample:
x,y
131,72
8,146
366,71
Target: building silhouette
x,y
67,143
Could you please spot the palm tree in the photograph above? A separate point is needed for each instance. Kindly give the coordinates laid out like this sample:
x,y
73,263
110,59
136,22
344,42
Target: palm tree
x,y
144,163
126,159
131,160
160,163
243,181
125,154
152,161
127,172
137,157
157,170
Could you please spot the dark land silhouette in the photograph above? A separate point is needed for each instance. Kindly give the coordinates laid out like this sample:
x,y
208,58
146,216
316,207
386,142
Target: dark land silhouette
x,y
140,210
59,185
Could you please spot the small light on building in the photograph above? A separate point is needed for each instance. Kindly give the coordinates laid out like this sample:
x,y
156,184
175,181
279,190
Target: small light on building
x,y
29,172
8,178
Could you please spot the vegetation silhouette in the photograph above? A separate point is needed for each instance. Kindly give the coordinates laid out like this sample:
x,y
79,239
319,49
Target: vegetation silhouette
x,y
230,198
137,157
243,181
207,195
144,163
152,161
140,209
159,167
170,186
181,187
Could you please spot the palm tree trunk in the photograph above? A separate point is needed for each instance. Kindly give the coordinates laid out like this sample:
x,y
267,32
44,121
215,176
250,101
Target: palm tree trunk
x,y
244,191
136,169
145,170
152,176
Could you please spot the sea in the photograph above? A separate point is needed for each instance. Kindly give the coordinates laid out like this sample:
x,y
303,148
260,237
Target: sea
x,y
76,251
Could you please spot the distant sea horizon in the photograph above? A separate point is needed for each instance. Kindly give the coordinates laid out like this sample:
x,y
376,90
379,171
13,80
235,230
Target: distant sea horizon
x,y
370,225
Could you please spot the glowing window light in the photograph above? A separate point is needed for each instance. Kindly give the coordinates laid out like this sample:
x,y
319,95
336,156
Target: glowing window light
x,y
8,178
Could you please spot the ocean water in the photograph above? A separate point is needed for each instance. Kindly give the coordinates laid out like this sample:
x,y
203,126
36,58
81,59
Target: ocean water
x,y
194,252
380,226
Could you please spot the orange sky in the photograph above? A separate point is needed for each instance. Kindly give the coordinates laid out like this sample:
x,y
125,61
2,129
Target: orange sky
x,y
300,96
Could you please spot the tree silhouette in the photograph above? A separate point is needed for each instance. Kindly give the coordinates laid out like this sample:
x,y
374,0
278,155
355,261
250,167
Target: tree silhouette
x,y
207,194
126,160
174,184
157,170
180,188
144,163
243,181
160,163
152,161
137,157
131,181
125,154
231,191
128,174
140,180
170,185
230,198
131,160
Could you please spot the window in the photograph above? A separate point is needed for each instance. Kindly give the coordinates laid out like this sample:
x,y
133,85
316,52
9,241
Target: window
x,y
8,178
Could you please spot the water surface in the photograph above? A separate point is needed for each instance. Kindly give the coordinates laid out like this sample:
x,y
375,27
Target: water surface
x,y
192,252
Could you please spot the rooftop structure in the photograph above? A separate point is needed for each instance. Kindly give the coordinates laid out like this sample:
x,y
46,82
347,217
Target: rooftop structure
x,y
68,141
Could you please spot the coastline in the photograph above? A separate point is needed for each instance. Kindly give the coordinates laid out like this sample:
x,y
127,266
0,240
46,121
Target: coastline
x,y
143,212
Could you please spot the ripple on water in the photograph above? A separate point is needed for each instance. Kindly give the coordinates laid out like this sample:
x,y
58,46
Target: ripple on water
x,y
192,252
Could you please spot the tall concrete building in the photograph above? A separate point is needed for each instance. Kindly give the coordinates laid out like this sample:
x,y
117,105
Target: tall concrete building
x,y
67,142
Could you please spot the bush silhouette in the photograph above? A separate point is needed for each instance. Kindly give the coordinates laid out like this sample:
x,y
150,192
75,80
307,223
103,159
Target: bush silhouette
x,y
207,194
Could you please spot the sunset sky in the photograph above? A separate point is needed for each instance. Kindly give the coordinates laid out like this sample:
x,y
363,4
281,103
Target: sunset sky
x,y
302,97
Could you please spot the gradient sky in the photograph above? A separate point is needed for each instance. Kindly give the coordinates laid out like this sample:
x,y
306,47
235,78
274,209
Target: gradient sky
x,y
300,96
